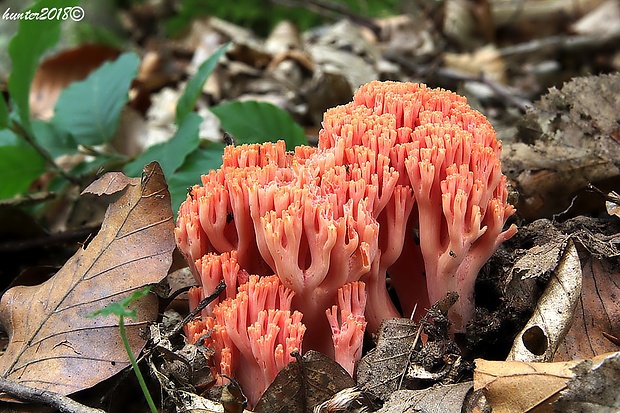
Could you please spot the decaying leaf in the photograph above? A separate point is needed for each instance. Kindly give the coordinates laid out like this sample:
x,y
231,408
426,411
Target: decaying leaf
x,y
541,336
541,259
110,183
52,343
303,384
451,399
594,389
516,387
564,142
382,370
596,325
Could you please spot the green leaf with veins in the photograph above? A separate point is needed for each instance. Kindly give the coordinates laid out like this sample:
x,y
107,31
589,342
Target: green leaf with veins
x,y
252,121
90,109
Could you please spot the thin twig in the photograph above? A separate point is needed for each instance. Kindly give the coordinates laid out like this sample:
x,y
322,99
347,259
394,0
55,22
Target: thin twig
x,y
58,401
432,70
19,130
332,10
205,302
78,234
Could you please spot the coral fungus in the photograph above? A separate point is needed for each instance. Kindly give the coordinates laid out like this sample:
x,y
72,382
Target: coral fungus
x,y
405,184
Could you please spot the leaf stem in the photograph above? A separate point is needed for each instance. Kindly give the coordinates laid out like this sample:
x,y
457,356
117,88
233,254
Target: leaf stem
x,y
134,364
17,128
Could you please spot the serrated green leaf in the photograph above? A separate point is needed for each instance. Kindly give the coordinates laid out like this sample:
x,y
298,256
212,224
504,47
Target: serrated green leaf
x,y
188,99
20,164
252,121
199,162
172,153
90,110
32,39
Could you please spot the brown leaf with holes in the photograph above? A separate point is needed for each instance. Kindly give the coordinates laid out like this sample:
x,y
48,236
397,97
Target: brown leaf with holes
x,y
53,345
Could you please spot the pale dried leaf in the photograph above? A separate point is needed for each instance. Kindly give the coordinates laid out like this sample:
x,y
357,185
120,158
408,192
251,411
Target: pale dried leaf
x,y
543,333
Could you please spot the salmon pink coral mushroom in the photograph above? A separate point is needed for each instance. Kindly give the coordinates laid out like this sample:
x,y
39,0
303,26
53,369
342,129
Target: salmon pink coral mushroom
x,y
406,183
253,334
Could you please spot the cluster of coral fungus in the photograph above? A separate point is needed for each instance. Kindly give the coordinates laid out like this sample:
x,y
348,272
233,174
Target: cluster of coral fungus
x,y
406,182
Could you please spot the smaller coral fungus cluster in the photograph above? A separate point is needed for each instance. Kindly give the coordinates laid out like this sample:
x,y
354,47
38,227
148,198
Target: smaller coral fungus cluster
x,y
406,181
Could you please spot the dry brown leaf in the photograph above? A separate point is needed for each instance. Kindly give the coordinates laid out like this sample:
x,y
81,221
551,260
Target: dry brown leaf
x,y
382,370
514,386
517,387
303,384
57,72
52,343
447,399
596,326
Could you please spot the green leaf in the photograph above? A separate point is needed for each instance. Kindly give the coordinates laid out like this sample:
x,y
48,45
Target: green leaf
x,y
55,142
33,38
252,121
90,109
199,162
4,114
20,164
170,154
121,308
188,99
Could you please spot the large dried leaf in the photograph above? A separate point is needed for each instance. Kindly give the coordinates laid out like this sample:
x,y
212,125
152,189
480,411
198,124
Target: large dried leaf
x,y
52,343
303,384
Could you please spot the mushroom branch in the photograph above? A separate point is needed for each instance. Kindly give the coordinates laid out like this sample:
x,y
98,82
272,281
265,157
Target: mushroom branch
x,y
405,185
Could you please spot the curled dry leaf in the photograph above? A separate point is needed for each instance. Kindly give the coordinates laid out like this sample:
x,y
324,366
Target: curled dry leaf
x,y
543,333
53,345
